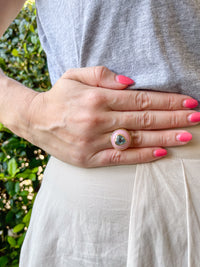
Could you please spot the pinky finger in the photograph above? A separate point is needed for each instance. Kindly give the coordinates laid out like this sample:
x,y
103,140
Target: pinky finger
x,y
112,157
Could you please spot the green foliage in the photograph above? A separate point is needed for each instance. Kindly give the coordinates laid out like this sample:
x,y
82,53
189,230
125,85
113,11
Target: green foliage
x,y
21,54
21,164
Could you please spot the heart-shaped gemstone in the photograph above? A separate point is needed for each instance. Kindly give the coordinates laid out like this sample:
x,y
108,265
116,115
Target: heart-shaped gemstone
x,y
120,140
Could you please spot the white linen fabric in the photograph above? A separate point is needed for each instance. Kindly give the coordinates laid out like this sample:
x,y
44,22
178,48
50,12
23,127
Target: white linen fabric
x,y
124,216
144,215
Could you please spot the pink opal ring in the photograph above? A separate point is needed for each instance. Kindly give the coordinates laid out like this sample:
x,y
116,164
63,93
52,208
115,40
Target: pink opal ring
x,y
120,139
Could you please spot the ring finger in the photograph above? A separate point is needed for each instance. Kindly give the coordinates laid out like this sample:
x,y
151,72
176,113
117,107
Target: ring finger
x,y
150,139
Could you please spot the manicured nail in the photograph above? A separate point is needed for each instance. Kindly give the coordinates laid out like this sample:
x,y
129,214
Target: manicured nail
x,y
160,152
124,80
190,103
194,117
184,137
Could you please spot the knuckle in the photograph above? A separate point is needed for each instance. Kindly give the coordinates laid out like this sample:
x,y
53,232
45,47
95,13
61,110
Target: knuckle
x,y
115,157
104,159
171,102
92,121
174,120
78,158
88,122
83,143
137,139
126,118
94,99
69,73
146,120
99,72
143,100
140,157
164,140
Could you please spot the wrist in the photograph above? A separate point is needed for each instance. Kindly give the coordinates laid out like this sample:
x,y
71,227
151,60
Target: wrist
x,y
15,100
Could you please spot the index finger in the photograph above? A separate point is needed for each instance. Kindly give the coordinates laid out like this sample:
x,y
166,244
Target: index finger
x,y
133,100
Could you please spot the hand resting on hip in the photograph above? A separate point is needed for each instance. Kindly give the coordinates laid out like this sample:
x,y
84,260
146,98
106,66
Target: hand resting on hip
x,y
75,119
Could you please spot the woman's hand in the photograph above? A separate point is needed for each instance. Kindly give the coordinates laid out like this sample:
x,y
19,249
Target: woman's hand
x,y
75,119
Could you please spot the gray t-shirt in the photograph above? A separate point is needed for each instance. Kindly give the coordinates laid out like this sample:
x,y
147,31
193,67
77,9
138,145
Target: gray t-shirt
x,y
155,42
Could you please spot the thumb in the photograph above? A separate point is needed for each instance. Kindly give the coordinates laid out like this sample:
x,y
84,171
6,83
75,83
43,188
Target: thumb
x,y
98,76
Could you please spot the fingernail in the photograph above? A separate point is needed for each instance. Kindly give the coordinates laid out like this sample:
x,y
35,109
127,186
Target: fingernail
x,y
194,117
184,137
160,152
124,80
190,103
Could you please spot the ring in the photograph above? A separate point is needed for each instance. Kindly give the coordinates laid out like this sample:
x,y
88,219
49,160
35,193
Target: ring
x,y
120,139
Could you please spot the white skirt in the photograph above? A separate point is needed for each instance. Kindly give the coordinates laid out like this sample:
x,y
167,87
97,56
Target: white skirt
x,y
145,215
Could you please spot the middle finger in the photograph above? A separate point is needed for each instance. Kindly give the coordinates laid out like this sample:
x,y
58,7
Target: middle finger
x,y
152,120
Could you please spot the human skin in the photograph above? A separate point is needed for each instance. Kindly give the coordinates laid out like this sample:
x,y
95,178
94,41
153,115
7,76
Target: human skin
x,y
74,120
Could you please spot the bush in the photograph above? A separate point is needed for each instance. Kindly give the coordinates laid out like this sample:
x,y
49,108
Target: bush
x,y
21,164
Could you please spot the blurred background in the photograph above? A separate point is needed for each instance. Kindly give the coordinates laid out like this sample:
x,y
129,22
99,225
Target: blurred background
x,y
21,164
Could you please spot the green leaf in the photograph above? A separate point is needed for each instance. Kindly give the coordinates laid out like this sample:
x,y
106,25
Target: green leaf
x,y
25,49
21,239
11,241
18,228
10,187
10,216
24,174
23,25
25,200
24,193
4,261
15,40
1,155
34,39
2,177
1,206
12,167
15,52
40,49
17,187
35,170
1,127
13,254
27,217
31,28
32,177
19,214
2,62
30,7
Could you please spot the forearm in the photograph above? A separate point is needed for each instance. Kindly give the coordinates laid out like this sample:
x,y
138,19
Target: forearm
x,y
8,11
15,100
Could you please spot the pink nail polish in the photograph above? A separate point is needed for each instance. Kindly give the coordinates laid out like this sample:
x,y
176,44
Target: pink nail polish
x,y
184,137
190,103
124,80
194,117
160,152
